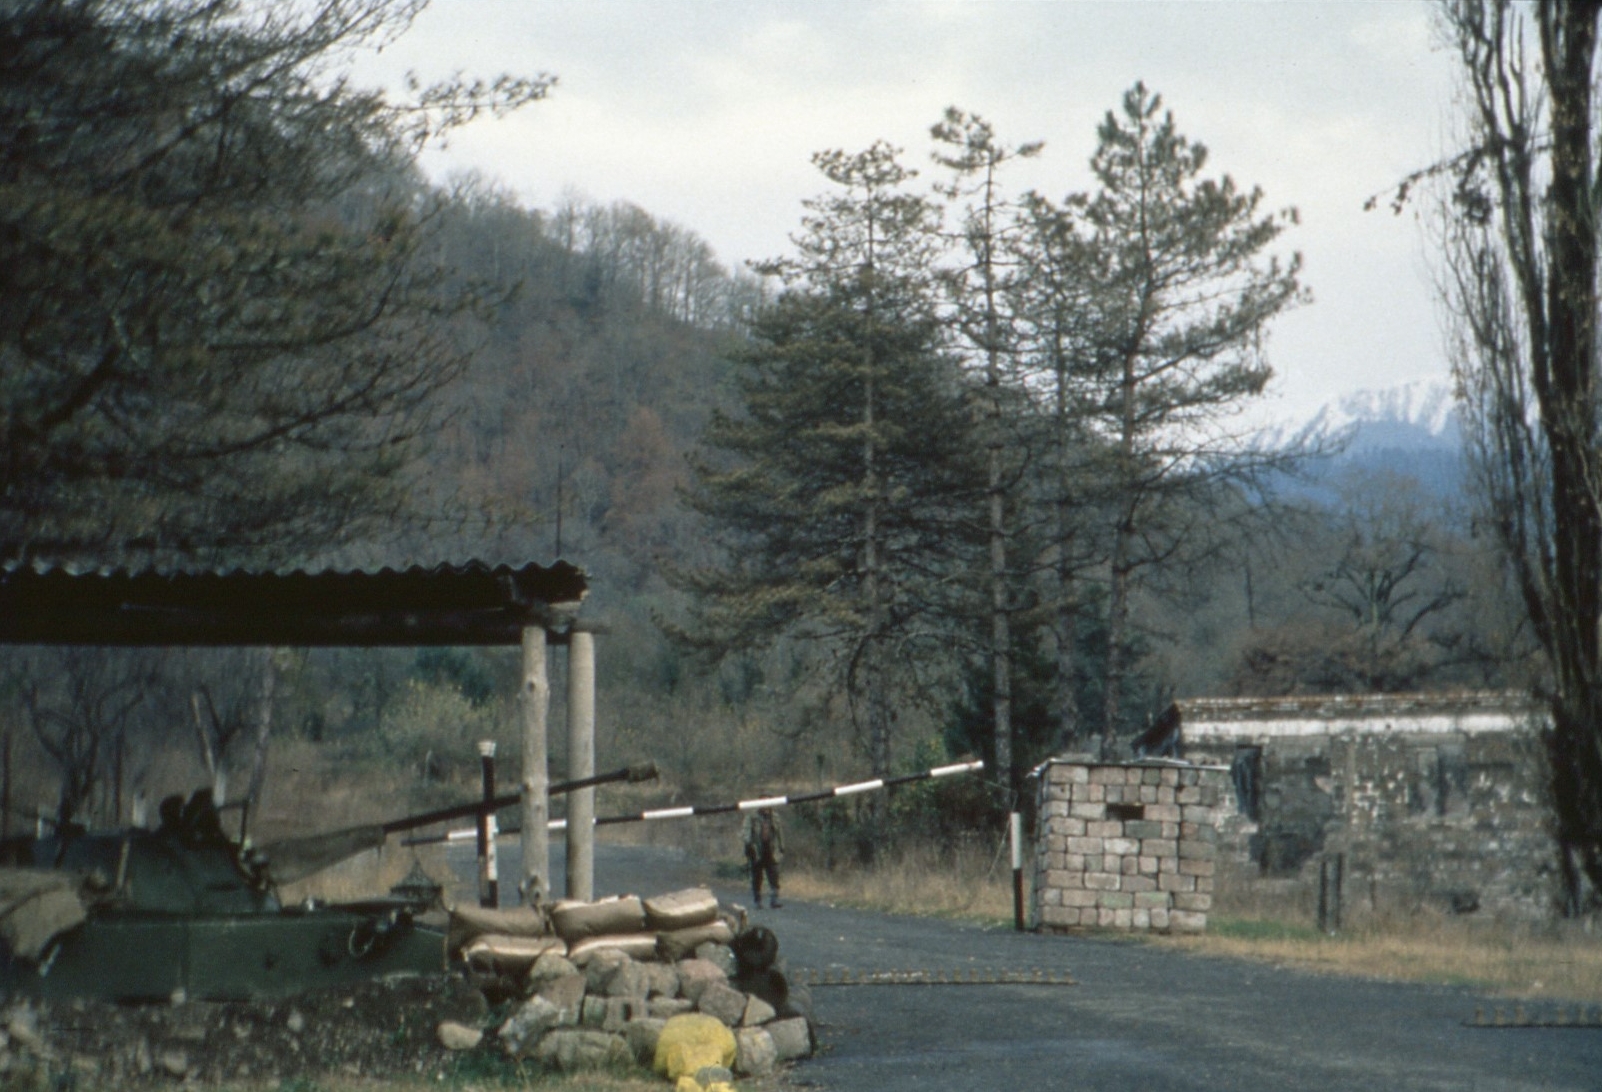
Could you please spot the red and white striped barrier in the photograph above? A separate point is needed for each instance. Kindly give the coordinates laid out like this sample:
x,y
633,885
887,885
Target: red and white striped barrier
x,y
739,805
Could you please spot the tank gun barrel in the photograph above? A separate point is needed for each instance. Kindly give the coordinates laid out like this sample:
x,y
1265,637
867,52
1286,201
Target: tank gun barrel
x,y
296,858
642,771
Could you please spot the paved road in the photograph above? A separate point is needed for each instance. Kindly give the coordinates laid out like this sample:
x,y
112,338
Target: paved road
x,y
1140,1018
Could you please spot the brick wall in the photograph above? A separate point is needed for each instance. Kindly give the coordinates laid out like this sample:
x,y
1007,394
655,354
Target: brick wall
x,y
1125,845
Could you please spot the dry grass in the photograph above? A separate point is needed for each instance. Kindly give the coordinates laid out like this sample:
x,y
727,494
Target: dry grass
x,y
1556,962
967,882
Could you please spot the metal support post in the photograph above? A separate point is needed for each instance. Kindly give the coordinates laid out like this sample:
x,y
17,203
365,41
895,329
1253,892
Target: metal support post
x,y
1015,830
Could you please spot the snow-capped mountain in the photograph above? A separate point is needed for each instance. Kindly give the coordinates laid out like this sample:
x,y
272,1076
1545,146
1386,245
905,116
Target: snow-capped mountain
x,y
1410,430
1416,416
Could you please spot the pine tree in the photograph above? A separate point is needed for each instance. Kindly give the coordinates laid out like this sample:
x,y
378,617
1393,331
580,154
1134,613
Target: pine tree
x,y
978,291
834,491
1186,293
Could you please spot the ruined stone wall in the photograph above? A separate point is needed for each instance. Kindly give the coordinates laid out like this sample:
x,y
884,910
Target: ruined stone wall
x,y
1125,845
1456,821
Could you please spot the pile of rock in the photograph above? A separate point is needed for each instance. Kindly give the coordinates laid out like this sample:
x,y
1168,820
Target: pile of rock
x,y
598,982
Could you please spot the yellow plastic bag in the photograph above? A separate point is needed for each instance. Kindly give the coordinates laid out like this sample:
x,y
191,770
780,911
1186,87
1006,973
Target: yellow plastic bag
x,y
689,1043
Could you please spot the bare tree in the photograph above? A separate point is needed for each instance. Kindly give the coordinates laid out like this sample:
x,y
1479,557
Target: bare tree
x,y
1520,238
230,695
222,326
79,703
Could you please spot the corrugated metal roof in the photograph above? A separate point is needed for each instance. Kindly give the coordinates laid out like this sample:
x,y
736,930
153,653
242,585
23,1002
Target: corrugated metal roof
x,y
470,603
1350,706
1434,712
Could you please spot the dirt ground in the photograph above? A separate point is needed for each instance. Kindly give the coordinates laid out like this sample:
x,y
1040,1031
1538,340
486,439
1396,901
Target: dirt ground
x,y
377,1029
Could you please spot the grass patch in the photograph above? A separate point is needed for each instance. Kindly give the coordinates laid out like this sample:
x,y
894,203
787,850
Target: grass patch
x,y
1260,929
1558,962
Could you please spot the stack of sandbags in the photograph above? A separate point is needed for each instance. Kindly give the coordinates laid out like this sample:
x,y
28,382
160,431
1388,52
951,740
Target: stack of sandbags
x,y
685,920
616,923
601,979
501,942
667,927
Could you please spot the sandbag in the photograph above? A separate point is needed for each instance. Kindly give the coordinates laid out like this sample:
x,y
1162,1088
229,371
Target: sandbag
x,y
468,921
509,955
679,943
574,921
681,909
690,1043
633,945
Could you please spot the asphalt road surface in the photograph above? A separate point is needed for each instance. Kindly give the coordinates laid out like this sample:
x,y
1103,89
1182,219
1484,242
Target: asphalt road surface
x,y
1138,1018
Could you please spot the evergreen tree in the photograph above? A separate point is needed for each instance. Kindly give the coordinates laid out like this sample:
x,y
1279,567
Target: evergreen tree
x,y
978,286
1186,293
835,490
1053,296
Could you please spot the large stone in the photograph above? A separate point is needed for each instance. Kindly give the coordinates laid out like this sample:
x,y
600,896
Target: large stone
x,y
757,1011
22,1025
567,994
696,975
724,1003
1185,921
662,980
792,1038
570,1049
620,1010
715,1078
549,966
666,1007
631,980
754,1052
525,1027
641,1034
454,1036
720,954
601,967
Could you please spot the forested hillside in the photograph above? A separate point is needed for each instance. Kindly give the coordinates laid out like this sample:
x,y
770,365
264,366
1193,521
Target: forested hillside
x,y
962,473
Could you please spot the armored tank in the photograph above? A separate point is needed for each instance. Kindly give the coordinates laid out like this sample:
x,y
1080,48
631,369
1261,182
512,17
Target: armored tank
x,y
146,915
185,910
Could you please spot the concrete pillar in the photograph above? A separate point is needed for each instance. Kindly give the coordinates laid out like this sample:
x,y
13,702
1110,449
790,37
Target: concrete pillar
x,y
581,764
535,696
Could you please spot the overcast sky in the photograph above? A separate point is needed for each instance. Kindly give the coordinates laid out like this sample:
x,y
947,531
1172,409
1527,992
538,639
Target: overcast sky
x,y
706,113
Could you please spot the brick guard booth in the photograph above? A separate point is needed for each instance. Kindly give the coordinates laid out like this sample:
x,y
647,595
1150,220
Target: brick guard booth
x,y
1126,845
